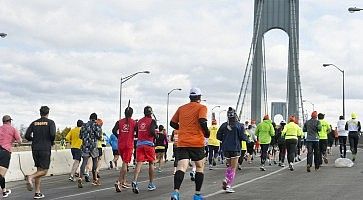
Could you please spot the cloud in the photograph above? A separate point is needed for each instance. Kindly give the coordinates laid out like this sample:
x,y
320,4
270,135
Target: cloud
x,y
71,56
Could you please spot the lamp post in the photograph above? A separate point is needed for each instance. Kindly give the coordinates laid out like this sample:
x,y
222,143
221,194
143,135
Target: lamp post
x,y
354,9
123,80
215,108
219,116
3,35
167,110
342,71
310,103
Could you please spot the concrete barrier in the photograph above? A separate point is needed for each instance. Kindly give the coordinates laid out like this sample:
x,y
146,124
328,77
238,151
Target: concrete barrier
x,y
26,162
14,172
59,163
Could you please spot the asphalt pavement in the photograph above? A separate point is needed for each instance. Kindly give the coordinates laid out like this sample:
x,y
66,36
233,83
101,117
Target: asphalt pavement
x,y
328,183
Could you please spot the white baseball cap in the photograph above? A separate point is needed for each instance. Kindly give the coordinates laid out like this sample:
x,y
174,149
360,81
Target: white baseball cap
x,y
194,91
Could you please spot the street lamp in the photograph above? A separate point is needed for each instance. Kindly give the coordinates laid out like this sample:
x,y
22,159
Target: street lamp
x,y
310,103
342,71
3,35
167,110
354,9
219,116
123,80
215,107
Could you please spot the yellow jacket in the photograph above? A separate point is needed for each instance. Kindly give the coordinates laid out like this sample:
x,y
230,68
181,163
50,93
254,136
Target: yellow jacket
x,y
213,141
291,131
73,138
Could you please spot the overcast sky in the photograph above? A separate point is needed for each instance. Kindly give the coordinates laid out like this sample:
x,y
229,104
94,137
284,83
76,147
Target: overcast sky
x,y
70,55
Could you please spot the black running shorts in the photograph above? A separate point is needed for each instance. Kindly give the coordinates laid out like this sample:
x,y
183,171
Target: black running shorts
x,y
41,158
193,153
76,153
232,154
4,158
115,152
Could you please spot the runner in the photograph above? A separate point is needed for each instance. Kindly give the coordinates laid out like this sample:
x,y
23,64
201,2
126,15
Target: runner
x,y
8,135
323,138
213,145
160,147
264,131
76,143
342,134
100,144
124,129
191,121
145,150
291,132
231,133
281,143
90,134
353,127
114,146
250,144
42,134
312,128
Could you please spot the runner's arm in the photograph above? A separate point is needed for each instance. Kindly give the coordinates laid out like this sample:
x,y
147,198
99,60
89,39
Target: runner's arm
x,y
204,125
115,129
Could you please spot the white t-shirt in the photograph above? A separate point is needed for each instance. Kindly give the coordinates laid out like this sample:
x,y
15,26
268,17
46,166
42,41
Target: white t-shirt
x,y
341,128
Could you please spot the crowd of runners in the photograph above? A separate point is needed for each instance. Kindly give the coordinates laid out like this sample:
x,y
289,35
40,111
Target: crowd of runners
x,y
141,141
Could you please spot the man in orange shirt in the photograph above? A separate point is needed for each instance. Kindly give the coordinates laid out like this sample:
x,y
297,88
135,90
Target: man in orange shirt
x,y
191,122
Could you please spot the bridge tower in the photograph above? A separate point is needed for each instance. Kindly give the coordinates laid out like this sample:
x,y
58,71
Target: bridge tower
x,y
268,15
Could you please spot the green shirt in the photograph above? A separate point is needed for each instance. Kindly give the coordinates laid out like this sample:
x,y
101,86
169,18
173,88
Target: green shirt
x,y
264,131
291,131
325,129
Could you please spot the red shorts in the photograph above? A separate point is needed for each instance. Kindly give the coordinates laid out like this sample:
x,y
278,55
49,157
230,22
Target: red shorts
x,y
126,154
145,153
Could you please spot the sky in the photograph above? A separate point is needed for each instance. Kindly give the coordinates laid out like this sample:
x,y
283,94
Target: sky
x,y
71,57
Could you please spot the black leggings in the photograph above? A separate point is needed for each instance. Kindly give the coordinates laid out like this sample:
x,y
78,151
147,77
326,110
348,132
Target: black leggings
x,y
264,149
213,153
343,145
353,141
291,149
282,151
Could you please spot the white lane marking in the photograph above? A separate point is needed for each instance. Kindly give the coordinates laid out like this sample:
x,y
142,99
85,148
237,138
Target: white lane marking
x,y
252,180
103,189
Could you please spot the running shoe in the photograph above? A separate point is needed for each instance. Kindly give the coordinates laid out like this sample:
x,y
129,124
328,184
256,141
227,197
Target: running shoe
x,y
282,165
117,186
210,167
308,168
262,168
80,185
291,167
6,193
76,174
317,167
135,188
198,197
38,196
224,184
98,175
214,162
192,175
87,179
126,185
229,189
239,167
159,170
299,158
353,159
71,178
151,186
96,183
175,196
341,155
111,165
325,159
